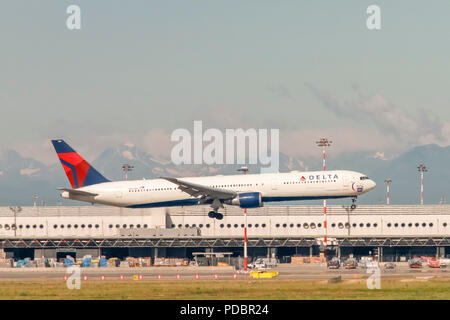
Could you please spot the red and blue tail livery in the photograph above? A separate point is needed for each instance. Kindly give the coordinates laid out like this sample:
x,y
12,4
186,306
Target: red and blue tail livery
x,y
79,172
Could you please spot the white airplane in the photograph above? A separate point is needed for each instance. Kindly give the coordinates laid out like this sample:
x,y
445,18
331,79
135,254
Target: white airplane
x,y
245,190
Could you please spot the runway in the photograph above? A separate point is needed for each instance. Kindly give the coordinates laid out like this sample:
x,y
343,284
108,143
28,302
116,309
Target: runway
x,y
286,272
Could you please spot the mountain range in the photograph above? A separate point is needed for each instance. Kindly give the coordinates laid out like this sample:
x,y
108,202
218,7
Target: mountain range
x,y
21,178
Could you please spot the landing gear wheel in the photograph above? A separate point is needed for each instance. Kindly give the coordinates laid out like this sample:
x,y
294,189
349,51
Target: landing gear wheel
x,y
219,216
212,214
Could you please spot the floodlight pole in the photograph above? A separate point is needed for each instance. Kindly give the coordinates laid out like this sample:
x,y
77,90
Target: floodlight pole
x,y
15,210
422,168
126,168
245,170
324,142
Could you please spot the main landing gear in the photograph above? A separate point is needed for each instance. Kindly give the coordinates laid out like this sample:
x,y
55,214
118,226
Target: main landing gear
x,y
215,215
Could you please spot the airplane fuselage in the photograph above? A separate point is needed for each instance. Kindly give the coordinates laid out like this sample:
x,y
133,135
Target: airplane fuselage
x,y
271,186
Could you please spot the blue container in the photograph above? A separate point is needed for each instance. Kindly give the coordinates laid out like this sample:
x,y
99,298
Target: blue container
x,y
103,262
21,263
86,263
68,262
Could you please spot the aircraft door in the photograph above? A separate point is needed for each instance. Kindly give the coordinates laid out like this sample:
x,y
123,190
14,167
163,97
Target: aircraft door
x,y
346,181
275,183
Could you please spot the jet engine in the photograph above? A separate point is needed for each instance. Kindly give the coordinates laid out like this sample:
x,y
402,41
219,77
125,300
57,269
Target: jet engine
x,y
248,200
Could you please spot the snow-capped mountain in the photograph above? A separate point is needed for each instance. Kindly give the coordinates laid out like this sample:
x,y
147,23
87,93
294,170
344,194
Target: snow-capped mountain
x,y
21,178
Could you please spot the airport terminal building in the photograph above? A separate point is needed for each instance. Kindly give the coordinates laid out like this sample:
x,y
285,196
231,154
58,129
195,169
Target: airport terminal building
x,y
389,233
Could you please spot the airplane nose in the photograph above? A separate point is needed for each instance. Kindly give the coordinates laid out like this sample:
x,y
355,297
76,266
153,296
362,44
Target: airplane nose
x,y
372,184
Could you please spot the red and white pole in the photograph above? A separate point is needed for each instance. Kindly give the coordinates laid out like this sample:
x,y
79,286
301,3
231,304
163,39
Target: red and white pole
x,y
325,204
388,193
245,170
325,222
421,187
387,199
245,241
324,142
324,165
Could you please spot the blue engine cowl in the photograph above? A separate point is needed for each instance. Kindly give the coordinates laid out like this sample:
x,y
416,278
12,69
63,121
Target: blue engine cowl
x,y
248,200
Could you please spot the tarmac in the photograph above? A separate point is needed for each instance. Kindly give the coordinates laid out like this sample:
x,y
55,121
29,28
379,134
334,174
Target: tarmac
x,y
286,272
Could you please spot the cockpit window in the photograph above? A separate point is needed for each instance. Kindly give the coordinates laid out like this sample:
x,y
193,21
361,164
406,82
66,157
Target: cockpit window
x,y
364,178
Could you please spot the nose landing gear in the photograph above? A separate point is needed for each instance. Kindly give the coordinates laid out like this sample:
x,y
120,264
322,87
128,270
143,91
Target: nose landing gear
x,y
353,206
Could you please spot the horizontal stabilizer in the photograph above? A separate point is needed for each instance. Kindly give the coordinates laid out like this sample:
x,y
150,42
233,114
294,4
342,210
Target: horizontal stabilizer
x,y
78,192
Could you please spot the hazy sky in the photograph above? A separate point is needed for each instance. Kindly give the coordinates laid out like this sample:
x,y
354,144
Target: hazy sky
x,y
137,70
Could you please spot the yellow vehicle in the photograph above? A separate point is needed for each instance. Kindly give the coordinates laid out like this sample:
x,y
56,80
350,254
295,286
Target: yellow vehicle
x,y
263,274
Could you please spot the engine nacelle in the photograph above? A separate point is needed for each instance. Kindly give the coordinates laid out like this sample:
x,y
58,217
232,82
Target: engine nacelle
x,y
248,200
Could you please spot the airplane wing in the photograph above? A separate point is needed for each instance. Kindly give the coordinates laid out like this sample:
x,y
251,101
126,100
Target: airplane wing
x,y
196,190
78,192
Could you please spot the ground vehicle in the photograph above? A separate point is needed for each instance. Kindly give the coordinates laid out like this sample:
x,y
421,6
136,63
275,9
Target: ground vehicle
x,y
434,263
444,262
261,263
390,265
415,263
264,274
334,263
350,264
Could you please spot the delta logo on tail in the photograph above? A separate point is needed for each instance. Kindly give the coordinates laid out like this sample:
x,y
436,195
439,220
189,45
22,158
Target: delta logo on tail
x,y
79,172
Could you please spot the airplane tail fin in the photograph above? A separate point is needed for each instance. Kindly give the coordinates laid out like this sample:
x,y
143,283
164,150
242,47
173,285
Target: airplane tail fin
x,y
79,172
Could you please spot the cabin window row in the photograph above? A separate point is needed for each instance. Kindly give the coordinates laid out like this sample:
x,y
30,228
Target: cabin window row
x,y
315,181
201,225
148,190
232,185
21,226
306,225
257,225
55,226
68,226
131,226
417,224
341,225
250,225
168,189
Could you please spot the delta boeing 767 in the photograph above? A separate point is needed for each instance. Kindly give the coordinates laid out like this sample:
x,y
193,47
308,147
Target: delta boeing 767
x,y
245,191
